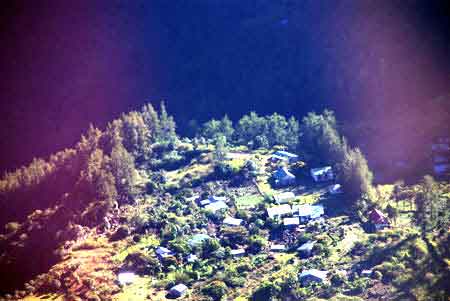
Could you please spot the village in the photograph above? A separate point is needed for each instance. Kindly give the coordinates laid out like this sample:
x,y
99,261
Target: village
x,y
279,220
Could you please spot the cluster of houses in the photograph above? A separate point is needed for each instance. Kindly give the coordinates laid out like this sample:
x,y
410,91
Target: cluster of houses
x,y
293,218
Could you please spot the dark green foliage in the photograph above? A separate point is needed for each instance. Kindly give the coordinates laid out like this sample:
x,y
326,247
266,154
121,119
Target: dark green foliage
x,y
320,138
431,208
141,263
257,243
216,290
122,232
354,174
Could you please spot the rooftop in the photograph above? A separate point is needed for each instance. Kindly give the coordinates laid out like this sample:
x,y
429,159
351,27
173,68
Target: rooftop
x,y
216,206
291,221
314,272
279,210
232,221
321,170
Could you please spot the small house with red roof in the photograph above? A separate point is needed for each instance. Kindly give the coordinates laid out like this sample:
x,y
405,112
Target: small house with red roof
x,y
378,219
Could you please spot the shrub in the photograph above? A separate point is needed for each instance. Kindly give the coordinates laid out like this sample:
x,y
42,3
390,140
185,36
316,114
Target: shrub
x,y
88,244
142,263
216,290
122,232
12,227
377,275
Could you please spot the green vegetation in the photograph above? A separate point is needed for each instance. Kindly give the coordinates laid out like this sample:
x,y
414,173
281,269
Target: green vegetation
x,y
124,192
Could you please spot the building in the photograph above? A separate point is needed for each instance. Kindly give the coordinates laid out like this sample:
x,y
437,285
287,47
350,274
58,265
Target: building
x,y
335,189
283,177
284,156
191,258
216,206
277,248
178,290
284,197
212,199
126,278
309,276
378,219
278,211
322,174
305,250
366,273
231,221
198,239
309,212
237,252
291,222
163,252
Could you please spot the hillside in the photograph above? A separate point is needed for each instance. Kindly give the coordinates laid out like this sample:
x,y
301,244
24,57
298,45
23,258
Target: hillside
x,y
227,214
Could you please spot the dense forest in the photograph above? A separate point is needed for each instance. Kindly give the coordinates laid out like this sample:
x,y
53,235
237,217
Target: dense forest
x,y
207,59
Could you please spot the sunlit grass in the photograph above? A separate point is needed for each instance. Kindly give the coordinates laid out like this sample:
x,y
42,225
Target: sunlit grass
x,y
145,242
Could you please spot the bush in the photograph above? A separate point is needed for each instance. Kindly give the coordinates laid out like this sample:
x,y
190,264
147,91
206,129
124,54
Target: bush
x,y
377,275
216,290
12,227
141,263
88,244
122,232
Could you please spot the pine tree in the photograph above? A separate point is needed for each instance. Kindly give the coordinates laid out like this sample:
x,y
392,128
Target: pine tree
x,y
123,169
151,120
167,132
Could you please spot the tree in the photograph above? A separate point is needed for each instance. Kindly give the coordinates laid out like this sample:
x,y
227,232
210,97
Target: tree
x,y
123,169
320,137
355,175
216,290
261,141
392,213
151,120
220,149
431,210
226,128
167,132
257,243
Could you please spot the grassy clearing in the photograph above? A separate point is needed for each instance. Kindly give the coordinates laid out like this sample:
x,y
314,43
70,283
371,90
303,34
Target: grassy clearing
x,y
249,201
353,233
139,290
195,170
145,242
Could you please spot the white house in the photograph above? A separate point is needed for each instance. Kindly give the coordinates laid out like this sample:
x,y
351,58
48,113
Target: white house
x,y
322,174
284,156
216,206
291,222
213,199
284,197
163,252
277,248
178,290
231,221
278,211
313,275
335,189
126,278
309,212
191,258
237,252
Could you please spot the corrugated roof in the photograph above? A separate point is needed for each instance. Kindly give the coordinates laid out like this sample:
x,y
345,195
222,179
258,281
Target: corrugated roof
x,y
279,210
